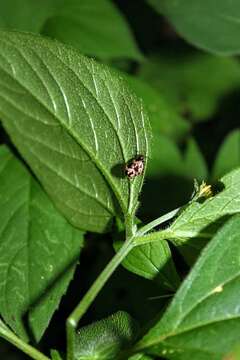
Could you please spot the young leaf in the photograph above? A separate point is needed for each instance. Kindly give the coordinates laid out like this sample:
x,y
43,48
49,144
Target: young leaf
x,y
228,156
203,321
76,124
88,26
194,83
39,250
154,262
105,338
209,24
199,221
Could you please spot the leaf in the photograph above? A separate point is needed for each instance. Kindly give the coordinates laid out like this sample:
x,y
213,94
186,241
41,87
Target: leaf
x,y
228,156
195,164
105,338
85,25
193,84
197,216
88,26
76,124
26,15
200,219
39,250
206,308
152,261
164,119
209,24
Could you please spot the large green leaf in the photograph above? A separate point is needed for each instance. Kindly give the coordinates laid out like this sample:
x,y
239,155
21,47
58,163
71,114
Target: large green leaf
x,y
88,26
228,156
198,222
39,250
105,338
212,25
85,24
76,124
192,83
203,321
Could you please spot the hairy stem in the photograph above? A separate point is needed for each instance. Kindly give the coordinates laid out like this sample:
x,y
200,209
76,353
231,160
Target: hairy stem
x,y
134,238
162,219
8,335
91,294
152,237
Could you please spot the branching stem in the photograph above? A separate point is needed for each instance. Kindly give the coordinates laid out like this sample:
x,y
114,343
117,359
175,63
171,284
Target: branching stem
x,y
8,335
91,294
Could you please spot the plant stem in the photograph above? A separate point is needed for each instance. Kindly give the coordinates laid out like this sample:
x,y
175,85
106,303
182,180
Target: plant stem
x,y
133,239
143,230
91,294
153,236
8,335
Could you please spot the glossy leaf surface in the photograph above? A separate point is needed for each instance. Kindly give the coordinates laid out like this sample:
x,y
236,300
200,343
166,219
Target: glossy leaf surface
x,y
39,250
206,307
76,124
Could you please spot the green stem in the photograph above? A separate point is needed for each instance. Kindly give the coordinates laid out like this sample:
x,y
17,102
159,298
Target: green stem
x,y
91,294
55,355
153,236
143,230
129,226
133,239
8,335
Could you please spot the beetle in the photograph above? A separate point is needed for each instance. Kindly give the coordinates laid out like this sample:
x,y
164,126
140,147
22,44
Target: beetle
x,y
135,167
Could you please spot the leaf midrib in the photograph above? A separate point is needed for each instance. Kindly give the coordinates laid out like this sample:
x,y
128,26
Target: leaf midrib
x,y
187,329
173,334
58,174
189,219
97,102
65,127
